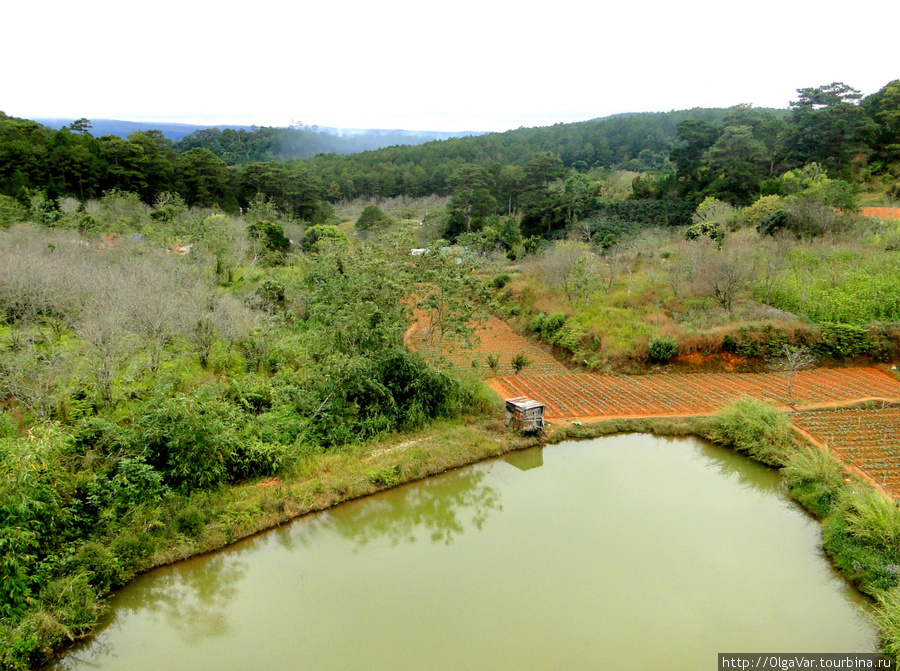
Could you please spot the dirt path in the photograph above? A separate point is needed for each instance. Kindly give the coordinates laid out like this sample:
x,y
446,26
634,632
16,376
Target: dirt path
x,y
494,337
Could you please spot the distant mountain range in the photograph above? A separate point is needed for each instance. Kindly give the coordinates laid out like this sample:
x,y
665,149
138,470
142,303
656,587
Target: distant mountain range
x,y
177,131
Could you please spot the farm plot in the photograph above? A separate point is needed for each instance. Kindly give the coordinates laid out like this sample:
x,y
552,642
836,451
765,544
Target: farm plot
x,y
495,338
867,438
595,396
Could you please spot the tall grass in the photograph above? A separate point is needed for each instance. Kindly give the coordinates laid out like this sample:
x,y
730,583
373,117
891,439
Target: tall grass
x,y
754,428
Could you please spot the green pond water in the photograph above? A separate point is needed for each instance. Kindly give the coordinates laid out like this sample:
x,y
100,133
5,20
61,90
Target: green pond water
x,y
625,552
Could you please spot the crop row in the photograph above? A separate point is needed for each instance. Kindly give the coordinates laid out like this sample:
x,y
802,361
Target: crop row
x,y
868,438
586,395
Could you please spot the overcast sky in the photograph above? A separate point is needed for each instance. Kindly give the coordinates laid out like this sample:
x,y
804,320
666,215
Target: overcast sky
x,y
467,65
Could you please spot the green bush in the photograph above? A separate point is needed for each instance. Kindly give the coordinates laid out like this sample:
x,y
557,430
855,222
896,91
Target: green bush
x,y
373,218
500,281
386,477
888,618
661,350
754,428
190,522
99,564
815,479
190,439
873,520
843,341
537,323
316,236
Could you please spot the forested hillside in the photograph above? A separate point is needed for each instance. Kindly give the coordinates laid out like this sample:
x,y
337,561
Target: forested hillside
x,y
735,155
173,327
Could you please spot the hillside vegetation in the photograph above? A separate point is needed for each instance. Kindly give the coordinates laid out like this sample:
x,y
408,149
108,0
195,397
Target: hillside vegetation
x,y
173,327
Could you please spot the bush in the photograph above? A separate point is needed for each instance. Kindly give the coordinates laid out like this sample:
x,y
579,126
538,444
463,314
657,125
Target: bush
x,y
190,439
754,428
519,362
190,522
873,520
372,218
500,281
843,341
99,564
316,236
815,480
537,323
661,350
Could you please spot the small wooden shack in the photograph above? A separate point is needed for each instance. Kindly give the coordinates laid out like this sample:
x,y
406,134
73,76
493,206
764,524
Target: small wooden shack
x,y
524,414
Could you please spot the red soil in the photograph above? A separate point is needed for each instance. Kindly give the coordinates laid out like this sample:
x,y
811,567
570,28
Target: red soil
x,y
881,212
582,396
493,337
869,439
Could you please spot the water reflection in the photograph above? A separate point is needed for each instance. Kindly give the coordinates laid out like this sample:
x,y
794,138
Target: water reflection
x,y
739,468
525,460
439,509
192,598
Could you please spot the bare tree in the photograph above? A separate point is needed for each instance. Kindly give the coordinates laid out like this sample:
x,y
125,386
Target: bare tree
x,y
794,359
727,271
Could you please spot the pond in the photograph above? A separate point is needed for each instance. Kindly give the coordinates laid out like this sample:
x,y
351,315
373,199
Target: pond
x,y
625,552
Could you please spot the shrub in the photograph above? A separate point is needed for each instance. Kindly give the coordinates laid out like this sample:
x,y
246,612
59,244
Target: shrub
x,y
386,477
500,281
815,480
316,236
552,324
873,520
99,564
519,362
537,323
754,428
189,438
661,350
190,522
372,218
843,341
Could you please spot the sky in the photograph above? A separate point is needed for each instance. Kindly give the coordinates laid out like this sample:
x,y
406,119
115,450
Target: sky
x,y
478,65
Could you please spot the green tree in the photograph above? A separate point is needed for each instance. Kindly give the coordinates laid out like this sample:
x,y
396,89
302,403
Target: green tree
x,y
578,192
828,126
883,107
471,201
695,138
736,162
372,218
202,179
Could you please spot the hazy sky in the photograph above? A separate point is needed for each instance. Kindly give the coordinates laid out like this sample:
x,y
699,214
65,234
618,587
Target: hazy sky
x,y
467,65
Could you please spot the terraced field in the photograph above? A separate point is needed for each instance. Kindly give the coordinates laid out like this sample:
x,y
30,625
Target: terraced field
x,y
868,438
593,396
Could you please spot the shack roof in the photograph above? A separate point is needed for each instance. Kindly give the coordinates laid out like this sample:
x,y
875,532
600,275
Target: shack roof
x,y
524,402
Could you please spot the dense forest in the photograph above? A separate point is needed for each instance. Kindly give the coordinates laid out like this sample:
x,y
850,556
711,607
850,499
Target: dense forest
x,y
734,155
180,319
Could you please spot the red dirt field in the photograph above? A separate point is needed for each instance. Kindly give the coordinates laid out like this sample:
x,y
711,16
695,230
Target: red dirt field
x,y
587,396
868,438
881,212
494,337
